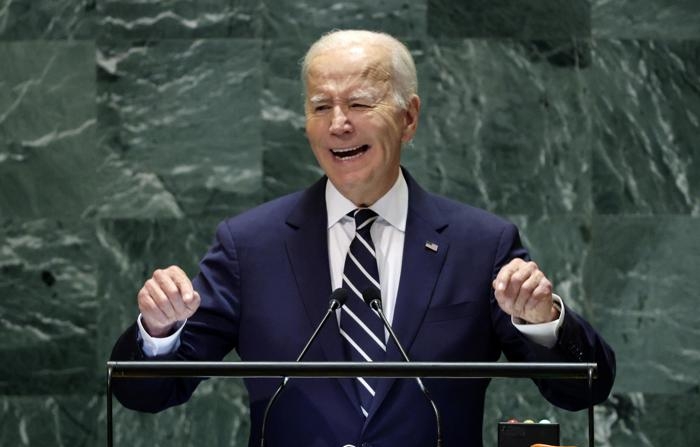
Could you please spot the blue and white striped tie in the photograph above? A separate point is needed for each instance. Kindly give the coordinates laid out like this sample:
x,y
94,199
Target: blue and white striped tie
x,y
360,326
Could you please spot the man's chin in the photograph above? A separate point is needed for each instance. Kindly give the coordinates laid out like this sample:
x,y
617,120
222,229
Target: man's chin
x,y
359,190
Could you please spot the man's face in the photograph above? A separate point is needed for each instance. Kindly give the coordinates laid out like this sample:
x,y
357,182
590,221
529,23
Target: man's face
x,y
353,125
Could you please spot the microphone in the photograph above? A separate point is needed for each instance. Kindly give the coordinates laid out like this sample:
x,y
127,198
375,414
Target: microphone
x,y
373,298
335,302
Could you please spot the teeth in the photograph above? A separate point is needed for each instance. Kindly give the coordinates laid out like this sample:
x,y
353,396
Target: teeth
x,y
346,149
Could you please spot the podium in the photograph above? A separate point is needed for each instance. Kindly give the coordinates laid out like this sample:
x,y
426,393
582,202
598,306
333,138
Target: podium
x,y
445,370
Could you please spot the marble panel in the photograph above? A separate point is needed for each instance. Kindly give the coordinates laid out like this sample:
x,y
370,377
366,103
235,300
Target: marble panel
x,y
641,275
624,420
307,20
288,162
589,146
47,19
506,125
646,112
648,19
520,399
648,419
416,153
48,155
181,119
38,421
543,19
560,245
130,250
217,414
179,19
48,284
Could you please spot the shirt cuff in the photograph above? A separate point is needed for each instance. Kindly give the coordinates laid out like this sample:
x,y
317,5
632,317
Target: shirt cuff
x,y
153,346
544,334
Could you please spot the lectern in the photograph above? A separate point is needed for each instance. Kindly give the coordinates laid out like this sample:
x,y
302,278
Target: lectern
x,y
457,370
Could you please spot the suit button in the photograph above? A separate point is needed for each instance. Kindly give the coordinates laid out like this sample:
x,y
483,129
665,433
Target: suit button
x,y
348,445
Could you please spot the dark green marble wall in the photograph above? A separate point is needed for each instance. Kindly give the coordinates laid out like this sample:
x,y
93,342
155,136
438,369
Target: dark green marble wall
x,y
129,128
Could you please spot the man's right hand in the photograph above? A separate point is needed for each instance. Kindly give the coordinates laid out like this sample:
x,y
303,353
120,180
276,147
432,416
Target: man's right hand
x,y
166,298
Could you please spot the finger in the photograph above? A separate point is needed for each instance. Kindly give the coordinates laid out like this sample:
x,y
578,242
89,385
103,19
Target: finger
x,y
167,278
152,314
503,278
505,303
501,284
186,292
515,282
521,275
542,293
160,299
167,281
193,304
508,273
525,293
183,284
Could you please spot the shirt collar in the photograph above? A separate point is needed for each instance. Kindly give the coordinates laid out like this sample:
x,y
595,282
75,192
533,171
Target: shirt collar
x,y
391,207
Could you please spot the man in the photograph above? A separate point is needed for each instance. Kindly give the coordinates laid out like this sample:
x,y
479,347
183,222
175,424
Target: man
x,y
455,281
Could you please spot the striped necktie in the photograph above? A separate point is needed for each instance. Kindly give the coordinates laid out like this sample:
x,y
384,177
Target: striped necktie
x,y
361,328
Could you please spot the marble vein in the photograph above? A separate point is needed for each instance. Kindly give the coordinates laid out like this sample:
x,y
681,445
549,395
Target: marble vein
x,y
55,135
206,19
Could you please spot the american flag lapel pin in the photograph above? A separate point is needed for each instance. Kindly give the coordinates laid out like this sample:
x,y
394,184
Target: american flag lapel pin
x,y
432,246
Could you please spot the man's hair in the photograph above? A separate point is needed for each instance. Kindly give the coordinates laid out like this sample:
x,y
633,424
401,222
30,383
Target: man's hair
x,y
404,79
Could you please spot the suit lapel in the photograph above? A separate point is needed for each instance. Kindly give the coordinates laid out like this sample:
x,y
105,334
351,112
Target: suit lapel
x,y
307,249
420,270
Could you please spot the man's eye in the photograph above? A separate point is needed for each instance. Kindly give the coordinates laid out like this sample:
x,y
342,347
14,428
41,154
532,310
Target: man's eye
x,y
321,108
359,105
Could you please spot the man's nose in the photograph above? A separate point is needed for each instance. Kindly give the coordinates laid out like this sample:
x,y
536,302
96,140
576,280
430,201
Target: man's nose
x,y
340,123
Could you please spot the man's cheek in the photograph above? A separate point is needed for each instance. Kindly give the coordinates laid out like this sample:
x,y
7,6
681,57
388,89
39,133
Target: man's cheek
x,y
387,116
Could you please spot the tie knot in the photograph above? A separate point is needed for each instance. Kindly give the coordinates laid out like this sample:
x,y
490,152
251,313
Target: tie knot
x,y
364,218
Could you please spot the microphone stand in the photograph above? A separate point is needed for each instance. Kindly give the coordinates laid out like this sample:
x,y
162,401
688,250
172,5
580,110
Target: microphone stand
x,y
337,300
376,304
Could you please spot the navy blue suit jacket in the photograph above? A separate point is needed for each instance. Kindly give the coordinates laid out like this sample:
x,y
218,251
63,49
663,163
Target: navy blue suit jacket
x,y
265,285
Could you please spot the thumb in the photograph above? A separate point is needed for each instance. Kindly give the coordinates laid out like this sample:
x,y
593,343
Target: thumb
x,y
193,303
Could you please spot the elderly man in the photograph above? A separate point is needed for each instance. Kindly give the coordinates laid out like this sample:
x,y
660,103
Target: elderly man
x,y
455,281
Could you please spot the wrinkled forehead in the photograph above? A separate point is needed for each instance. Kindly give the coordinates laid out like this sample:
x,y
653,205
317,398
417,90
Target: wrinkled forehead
x,y
347,68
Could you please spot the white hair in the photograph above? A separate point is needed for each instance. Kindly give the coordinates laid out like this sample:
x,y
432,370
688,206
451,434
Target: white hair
x,y
404,80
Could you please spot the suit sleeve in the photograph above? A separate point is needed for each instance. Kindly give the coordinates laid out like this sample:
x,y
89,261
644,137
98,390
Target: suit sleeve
x,y
209,335
577,342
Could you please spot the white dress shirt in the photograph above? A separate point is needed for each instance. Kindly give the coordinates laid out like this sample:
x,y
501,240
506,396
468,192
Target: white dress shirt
x,y
388,233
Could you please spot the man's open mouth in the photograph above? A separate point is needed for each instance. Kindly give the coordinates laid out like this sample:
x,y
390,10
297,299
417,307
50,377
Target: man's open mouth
x,y
349,152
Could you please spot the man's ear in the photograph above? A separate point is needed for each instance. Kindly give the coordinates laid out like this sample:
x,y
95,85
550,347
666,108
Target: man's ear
x,y
411,118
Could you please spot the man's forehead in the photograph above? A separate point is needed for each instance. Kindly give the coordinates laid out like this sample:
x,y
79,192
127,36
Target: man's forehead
x,y
368,73
358,93
358,62
362,90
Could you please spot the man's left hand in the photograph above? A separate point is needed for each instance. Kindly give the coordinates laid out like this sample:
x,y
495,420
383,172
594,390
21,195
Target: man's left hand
x,y
524,292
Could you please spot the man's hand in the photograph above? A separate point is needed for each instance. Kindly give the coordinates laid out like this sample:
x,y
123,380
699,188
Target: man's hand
x,y
166,298
523,291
